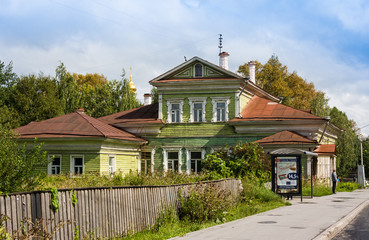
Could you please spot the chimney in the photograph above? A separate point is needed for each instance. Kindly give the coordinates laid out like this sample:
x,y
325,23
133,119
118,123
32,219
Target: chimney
x,y
147,99
80,110
223,60
252,65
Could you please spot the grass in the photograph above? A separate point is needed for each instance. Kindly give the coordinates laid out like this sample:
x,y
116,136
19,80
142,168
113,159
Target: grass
x,y
320,189
255,199
180,228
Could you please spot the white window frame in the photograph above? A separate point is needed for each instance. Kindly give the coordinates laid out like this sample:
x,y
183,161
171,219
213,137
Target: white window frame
x,y
169,113
192,102
112,169
165,160
202,70
188,157
72,157
214,101
50,166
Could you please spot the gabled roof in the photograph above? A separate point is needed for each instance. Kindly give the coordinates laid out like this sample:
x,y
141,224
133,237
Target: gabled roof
x,y
259,109
326,149
285,137
144,114
168,74
76,124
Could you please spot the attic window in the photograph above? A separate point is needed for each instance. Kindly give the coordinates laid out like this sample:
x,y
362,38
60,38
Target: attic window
x,y
198,70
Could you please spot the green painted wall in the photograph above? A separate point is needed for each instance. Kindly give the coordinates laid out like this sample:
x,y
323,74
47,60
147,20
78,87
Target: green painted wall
x,y
95,153
195,129
208,107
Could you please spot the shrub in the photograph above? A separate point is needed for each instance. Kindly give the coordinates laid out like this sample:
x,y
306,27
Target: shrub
x,y
20,168
244,159
255,190
347,186
166,217
204,202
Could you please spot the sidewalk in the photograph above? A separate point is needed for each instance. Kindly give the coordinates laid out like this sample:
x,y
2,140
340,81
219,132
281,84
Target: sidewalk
x,y
317,218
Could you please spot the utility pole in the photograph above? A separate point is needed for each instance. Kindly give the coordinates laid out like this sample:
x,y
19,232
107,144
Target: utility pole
x,y
360,168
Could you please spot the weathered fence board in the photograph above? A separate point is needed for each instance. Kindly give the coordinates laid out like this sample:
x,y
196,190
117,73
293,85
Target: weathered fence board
x,y
100,212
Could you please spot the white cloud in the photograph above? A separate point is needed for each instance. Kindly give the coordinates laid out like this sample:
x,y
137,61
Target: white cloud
x,y
353,14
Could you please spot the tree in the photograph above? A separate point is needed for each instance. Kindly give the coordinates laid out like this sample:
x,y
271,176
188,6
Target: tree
x,y
91,79
68,90
274,78
319,105
8,116
347,145
35,98
20,169
155,95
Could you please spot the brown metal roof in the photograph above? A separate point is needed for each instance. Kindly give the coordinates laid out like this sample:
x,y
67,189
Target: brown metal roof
x,y
145,114
263,109
76,124
286,137
326,149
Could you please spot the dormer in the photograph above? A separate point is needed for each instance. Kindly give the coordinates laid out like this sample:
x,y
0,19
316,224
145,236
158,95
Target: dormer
x,y
198,91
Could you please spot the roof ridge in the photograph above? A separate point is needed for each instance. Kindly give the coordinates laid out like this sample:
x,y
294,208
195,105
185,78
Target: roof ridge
x,y
84,116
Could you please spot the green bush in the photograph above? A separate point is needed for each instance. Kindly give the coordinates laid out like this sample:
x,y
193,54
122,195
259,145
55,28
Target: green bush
x,y
347,186
204,202
166,217
21,169
244,159
255,190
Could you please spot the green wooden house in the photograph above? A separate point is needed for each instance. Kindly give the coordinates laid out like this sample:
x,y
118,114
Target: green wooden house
x,y
201,107
78,143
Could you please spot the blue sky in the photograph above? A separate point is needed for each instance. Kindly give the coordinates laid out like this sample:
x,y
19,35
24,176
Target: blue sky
x,y
326,42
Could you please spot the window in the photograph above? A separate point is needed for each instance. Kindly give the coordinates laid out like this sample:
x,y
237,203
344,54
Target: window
x,y
198,70
197,109
196,164
145,162
175,110
220,109
112,164
173,161
55,164
77,163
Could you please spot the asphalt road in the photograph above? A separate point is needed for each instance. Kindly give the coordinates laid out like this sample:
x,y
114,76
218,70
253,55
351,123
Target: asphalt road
x,y
358,229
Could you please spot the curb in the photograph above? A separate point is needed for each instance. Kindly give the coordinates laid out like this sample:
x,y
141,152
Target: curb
x,y
332,231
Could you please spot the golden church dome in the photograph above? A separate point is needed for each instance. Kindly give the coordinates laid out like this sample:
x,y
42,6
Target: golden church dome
x,y
131,85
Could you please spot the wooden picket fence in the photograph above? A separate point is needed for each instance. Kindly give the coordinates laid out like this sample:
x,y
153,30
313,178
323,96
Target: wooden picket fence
x,y
102,212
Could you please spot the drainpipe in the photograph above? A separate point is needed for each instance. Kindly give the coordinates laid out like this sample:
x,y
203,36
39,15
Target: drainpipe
x,y
239,96
325,128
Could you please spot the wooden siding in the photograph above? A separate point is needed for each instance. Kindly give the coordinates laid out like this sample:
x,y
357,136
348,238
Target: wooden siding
x,y
208,107
101,212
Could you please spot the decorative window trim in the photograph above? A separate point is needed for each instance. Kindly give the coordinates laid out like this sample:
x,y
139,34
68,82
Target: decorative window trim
x,y
50,157
160,109
188,157
192,101
165,158
72,162
237,106
169,105
114,164
214,101
202,70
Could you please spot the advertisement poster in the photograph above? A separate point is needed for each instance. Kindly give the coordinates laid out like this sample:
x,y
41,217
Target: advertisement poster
x,y
287,172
